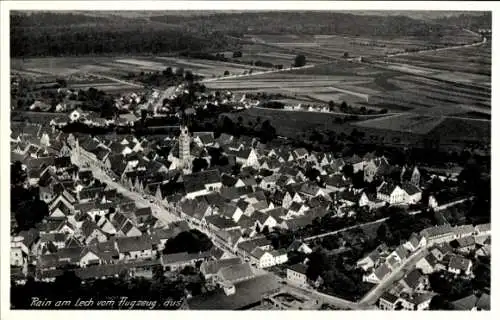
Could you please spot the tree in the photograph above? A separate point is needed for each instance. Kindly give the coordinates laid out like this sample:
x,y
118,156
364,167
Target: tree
x,y
188,241
189,77
17,174
382,233
179,71
312,174
62,83
267,132
348,170
346,55
168,72
226,73
257,228
265,230
237,54
300,61
199,164
438,302
318,265
343,106
144,115
31,212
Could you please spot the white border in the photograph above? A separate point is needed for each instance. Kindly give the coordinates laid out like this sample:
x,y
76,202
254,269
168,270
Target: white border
x,y
6,6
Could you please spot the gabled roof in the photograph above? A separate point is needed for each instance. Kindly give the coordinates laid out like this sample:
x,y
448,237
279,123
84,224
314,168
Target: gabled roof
x,y
412,279
410,188
228,210
295,245
184,257
250,245
299,267
194,208
129,244
466,242
146,211
386,188
483,227
382,271
236,272
228,180
354,159
389,297
53,237
466,303
459,262
437,231
212,267
221,222
309,189
197,181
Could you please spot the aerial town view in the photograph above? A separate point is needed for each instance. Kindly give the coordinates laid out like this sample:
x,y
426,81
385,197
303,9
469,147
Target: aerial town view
x,y
250,160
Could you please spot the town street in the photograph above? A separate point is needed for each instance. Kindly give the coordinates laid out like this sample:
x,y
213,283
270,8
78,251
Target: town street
x,y
344,229
159,212
372,296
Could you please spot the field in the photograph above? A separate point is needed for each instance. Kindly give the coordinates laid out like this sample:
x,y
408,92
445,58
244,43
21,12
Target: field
x,y
293,123
106,72
334,46
462,63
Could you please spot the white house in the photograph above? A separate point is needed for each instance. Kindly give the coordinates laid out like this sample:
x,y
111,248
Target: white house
x,y
247,158
280,256
262,259
297,274
460,265
134,248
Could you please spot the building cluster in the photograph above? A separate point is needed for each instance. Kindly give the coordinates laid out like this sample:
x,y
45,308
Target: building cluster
x,y
243,190
437,249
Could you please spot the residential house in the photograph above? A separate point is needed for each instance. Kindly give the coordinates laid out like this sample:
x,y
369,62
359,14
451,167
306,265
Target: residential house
x,y
460,265
370,200
414,243
372,259
311,190
218,222
247,158
464,245
299,246
210,268
413,193
473,303
427,264
297,274
374,168
177,261
336,182
388,301
378,274
90,232
482,229
202,183
232,212
134,248
438,234
356,162
419,301
411,175
280,256
234,273
415,281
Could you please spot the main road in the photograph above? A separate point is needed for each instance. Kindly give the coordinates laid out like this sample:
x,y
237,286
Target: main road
x,y
160,212
372,296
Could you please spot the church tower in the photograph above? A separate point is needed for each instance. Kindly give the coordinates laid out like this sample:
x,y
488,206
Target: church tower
x,y
184,151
